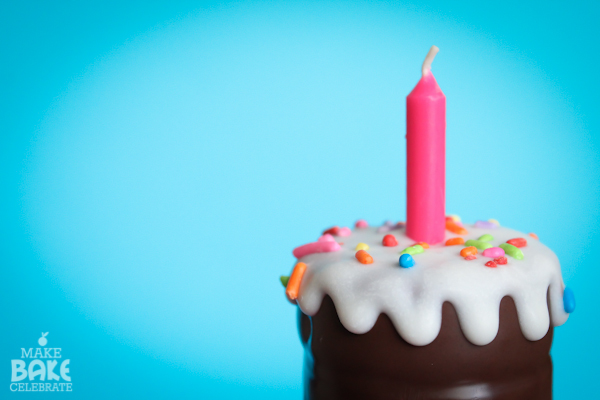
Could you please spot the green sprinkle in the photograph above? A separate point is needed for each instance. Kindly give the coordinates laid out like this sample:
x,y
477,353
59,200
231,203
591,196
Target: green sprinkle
x,y
418,248
412,250
512,251
486,238
284,280
478,244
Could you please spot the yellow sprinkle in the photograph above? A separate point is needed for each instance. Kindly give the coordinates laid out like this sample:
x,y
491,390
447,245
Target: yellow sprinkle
x,y
494,221
362,246
455,217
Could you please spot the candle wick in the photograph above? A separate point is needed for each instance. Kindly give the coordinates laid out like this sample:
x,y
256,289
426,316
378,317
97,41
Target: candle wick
x,y
429,59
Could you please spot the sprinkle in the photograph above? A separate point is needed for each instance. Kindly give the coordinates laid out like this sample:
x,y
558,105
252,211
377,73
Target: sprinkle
x,y
399,225
493,252
389,241
454,228
361,246
422,244
533,235
501,260
326,238
293,285
479,244
331,231
569,300
386,227
363,257
315,247
485,225
406,261
491,264
468,251
494,221
344,232
361,223
284,280
486,238
512,251
412,250
455,241
517,242
454,217
471,257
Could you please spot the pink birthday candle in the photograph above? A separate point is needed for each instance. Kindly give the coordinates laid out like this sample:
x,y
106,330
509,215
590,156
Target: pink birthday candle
x,y
426,158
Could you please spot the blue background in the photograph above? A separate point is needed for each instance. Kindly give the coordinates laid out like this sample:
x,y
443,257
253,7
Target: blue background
x,y
159,161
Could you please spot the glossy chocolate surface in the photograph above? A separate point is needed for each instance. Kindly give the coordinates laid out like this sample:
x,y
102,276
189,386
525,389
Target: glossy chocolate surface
x,y
381,365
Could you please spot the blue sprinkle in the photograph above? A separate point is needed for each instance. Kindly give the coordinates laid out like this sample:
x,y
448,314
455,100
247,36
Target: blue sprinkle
x,y
569,300
406,261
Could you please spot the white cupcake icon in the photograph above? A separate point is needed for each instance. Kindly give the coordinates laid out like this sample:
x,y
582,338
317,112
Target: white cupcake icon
x,y
43,341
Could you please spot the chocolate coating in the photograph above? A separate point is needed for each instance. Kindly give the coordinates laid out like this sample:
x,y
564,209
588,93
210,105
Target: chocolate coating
x,y
381,365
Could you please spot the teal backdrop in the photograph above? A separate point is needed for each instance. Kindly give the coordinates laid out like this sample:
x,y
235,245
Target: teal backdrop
x,y
160,160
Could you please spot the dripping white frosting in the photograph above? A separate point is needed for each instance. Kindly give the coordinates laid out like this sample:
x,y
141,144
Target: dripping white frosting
x,y
413,297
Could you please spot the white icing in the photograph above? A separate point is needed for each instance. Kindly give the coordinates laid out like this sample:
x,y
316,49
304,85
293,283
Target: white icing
x,y
413,297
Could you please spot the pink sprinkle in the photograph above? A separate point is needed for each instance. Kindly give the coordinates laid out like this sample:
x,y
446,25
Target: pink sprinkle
x,y
361,223
326,238
471,257
316,247
345,231
493,252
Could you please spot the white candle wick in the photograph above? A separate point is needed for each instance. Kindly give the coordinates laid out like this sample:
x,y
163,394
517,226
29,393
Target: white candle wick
x,y
429,59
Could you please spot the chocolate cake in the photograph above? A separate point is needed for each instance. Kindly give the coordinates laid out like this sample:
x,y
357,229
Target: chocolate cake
x,y
381,365
448,327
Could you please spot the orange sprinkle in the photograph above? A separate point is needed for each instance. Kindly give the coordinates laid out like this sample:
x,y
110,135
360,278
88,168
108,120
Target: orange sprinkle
x,y
533,235
363,257
468,251
293,286
423,244
455,241
454,228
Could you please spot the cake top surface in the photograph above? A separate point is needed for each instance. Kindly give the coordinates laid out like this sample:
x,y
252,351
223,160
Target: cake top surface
x,y
411,290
